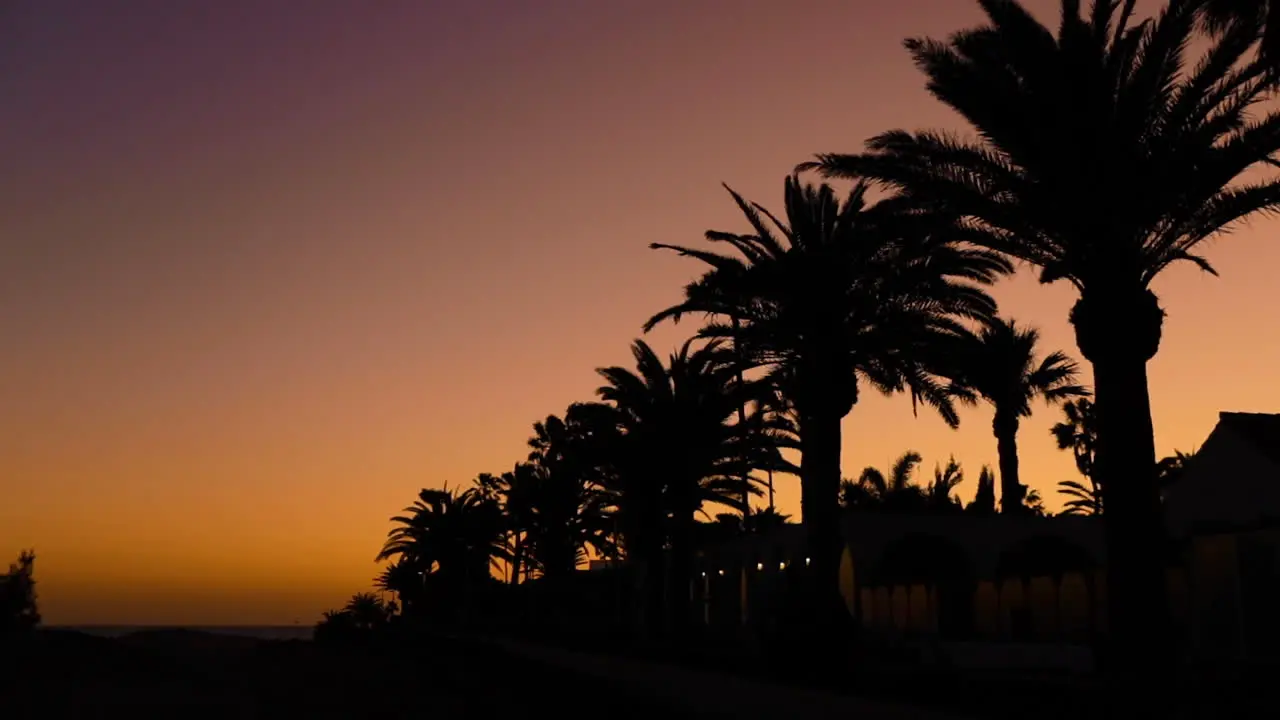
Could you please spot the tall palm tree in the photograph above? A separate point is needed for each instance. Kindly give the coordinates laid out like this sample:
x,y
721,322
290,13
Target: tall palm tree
x,y
1001,367
1102,158
513,491
683,449
566,506
842,293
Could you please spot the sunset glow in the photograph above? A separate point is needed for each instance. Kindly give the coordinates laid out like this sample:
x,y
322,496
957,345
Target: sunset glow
x,y
265,272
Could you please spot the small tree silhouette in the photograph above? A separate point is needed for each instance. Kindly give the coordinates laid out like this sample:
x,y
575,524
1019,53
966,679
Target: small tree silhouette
x,y
1079,434
984,498
1001,367
19,614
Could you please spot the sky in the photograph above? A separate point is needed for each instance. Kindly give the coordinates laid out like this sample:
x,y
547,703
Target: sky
x,y
267,268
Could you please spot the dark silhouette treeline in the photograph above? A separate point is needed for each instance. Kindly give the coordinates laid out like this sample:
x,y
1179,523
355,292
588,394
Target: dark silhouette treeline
x,y
1100,153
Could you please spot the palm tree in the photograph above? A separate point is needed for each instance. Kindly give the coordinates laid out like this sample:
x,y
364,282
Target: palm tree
x,y
513,492
895,492
367,611
938,496
765,521
681,451
1079,434
566,517
839,294
1000,366
335,627
571,509
405,580
453,535
1102,158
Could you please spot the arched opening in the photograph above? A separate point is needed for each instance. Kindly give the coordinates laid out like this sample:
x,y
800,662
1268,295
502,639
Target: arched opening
x,y
937,571
1052,594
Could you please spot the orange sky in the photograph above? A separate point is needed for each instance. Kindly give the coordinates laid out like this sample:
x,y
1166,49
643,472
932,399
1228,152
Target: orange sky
x,y
265,274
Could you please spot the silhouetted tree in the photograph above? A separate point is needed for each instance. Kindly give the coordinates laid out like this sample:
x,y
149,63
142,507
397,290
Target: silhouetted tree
x,y
1081,500
984,498
19,614
892,493
1102,158
1033,504
1000,366
765,521
451,537
841,292
368,611
566,504
1170,469
725,527
678,436
336,627
404,579
1079,434
938,497
513,491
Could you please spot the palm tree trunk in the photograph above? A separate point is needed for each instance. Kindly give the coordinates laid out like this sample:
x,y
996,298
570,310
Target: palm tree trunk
x,y
1134,527
517,559
1012,492
819,501
1118,332
742,421
680,573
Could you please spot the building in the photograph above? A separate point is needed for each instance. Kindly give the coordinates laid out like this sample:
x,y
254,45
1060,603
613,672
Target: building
x,y
983,582
1225,511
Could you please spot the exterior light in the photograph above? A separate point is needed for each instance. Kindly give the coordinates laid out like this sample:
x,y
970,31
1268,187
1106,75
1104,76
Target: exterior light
x,y
759,566
782,566
721,573
704,573
806,562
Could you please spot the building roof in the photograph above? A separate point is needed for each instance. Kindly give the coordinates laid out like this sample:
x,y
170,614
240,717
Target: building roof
x,y
1260,430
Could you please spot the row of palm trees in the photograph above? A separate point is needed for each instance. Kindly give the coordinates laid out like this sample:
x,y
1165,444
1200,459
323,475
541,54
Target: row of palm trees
x,y
1100,154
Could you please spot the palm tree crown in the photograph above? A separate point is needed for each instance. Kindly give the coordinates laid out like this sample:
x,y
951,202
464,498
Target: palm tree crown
x,y
1103,158
455,534
847,288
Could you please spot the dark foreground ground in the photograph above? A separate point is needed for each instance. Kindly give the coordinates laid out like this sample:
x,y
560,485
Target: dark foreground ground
x,y
175,674
180,674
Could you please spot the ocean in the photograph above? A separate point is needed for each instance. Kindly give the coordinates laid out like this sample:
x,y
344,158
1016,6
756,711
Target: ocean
x,y
264,632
